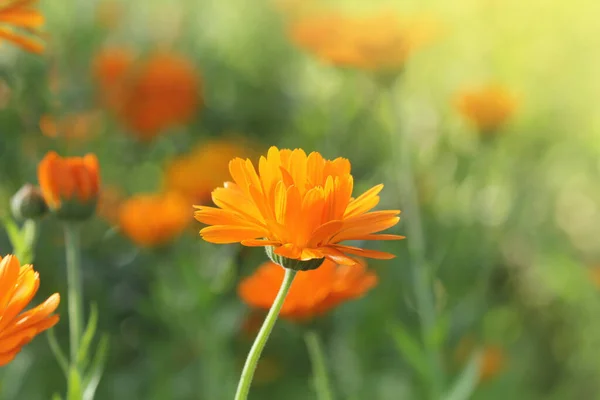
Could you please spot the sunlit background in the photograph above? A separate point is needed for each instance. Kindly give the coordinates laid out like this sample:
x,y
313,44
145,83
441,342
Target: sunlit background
x,y
497,100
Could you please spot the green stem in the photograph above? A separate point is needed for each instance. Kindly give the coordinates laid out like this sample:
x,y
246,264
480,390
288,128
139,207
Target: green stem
x,y
317,359
421,276
75,291
262,337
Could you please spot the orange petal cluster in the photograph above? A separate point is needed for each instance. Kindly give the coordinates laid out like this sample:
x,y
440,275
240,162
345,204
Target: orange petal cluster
x,y
198,172
378,43
19,22
154,219
151,94
70,178
312,293
73,126
300,204
18,286
487,107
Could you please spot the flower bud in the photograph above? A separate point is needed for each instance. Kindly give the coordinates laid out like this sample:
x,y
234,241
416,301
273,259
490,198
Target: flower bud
x,y
70,185
28,203
289,263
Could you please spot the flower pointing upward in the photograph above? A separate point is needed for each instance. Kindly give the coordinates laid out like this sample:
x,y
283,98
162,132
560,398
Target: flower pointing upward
x,y
300,207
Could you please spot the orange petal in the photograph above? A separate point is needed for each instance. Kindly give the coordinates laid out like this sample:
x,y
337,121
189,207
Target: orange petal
x,y
364,202
230,234
380,255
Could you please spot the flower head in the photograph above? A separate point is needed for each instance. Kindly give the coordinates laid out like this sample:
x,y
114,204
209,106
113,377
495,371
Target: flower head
x,y
198,172
28,203
18,286
19,21
488,107
154,219
151,94
312,294
379,43
70,185
300,205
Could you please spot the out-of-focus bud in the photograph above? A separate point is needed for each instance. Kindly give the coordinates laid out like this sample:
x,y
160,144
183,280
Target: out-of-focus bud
x,y
28,203
70,185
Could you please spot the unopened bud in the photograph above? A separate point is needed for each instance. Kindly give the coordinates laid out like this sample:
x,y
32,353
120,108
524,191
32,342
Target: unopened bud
x,y
28,203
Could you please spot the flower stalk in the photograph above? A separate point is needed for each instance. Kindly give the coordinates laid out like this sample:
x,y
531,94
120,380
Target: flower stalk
x,y
317,359
75,293
262,337
420,273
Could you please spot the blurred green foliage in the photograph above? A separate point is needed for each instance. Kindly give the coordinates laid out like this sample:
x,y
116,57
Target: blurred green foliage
x,y
511,224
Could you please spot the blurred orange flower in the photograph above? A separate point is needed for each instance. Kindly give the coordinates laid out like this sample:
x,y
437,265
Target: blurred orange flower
x,y
493,359
299,206
70,185
75,126
148,95
488,107
198,172
312,294
154,219
595,276
378,43
19,22
18,286
109,202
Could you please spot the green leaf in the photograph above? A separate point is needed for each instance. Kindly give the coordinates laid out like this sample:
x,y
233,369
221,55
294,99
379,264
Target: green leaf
x,y
467,381
58,353
74,384
14,235
95,374
88,336
409,348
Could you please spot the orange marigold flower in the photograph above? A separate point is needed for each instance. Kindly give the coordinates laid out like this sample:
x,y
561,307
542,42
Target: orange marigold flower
x,y
19,22
149,95
299,206
488,107
198,172
70,185
18,286
379,43
154,219
313,293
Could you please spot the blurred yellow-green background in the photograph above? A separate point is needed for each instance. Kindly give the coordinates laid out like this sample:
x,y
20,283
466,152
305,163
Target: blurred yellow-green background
x,y
166,93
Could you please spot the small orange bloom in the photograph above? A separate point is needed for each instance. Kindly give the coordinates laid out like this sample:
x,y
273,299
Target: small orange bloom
x,y
300,205
75,126
492,361
379,43
313,293
149,95
70,185
197,173
19,22
18,286
154,219
595,276
488,108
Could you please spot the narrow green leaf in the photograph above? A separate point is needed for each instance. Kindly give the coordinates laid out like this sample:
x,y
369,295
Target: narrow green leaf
x,y
467,381
14,235
58,353
97,368
88,336
74,385
409,348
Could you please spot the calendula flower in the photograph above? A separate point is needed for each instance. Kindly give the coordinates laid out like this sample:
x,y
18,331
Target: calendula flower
x,y
70,185
488,107
18,286
148,95
313,293
154,219
379,43
300,207
28,203
198,172
19,22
